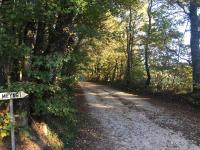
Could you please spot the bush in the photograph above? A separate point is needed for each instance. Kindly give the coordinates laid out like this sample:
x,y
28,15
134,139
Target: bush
x,y
4,125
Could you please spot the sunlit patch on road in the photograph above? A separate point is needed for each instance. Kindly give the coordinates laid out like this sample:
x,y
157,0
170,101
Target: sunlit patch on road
x,y
129,121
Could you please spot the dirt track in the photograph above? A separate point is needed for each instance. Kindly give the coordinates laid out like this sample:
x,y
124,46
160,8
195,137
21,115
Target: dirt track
x,y
129,122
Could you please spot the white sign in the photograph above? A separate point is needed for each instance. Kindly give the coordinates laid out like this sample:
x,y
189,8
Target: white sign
x,y
13,95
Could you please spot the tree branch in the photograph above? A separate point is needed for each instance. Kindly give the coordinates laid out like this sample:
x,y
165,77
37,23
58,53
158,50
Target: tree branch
x,y
181,5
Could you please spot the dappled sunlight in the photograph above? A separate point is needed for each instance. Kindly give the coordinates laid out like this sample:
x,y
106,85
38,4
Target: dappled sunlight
x,y
48,137
100,105
112,94
139,105
117,98
136,98
100,94
127,47
124,94
127,118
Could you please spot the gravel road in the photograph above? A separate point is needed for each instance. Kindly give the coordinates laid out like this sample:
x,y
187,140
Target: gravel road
x,y
126,121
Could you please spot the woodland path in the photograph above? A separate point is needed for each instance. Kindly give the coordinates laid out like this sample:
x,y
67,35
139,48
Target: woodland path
x,y
123,121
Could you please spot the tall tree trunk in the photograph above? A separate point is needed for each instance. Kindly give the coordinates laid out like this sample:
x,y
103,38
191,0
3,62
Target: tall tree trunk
x,y
146,49
128,76
27,36
2,77
3,5
29,40
63,30
114,71
194,42
39,45
98,69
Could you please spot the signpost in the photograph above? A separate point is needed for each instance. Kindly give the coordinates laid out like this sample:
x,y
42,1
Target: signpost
x,y
10,96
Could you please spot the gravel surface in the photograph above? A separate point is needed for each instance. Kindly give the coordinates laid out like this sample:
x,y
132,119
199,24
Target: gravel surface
x,y
126,121
91,135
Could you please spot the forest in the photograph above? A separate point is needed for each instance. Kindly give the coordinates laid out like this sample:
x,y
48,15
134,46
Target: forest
x,y
48,46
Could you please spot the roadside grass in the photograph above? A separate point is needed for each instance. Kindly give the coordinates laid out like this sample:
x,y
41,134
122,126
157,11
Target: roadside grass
x,y
61,132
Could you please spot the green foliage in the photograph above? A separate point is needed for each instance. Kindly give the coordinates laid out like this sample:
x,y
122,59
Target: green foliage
x,y
40,48
177,79
4,125
47,45
58,105
168,55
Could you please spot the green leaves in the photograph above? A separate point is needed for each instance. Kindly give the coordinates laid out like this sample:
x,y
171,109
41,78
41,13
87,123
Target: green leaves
x,y
40,44
4,125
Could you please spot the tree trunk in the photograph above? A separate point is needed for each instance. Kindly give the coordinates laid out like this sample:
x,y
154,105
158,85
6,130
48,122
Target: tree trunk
x,y
39,45
146,50
2,77
114,71
194,42
98,69
128,76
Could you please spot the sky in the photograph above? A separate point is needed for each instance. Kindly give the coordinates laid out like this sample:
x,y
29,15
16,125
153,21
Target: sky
x,y
186,27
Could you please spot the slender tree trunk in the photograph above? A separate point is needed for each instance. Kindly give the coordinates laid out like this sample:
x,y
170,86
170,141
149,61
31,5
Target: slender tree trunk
x,y
2,77
114,71
146,50
39,45
128,76
3,4
28,38
63,32
98,69
194,42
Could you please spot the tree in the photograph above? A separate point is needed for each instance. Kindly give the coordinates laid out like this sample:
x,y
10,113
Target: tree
x,y
40,49
148,36
194,43
129,49
190,8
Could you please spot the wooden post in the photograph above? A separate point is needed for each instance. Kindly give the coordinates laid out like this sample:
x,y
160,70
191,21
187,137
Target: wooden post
x,y
12,119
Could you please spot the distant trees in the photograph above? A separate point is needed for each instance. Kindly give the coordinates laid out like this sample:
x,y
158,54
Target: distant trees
x,y
106,53
153,46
